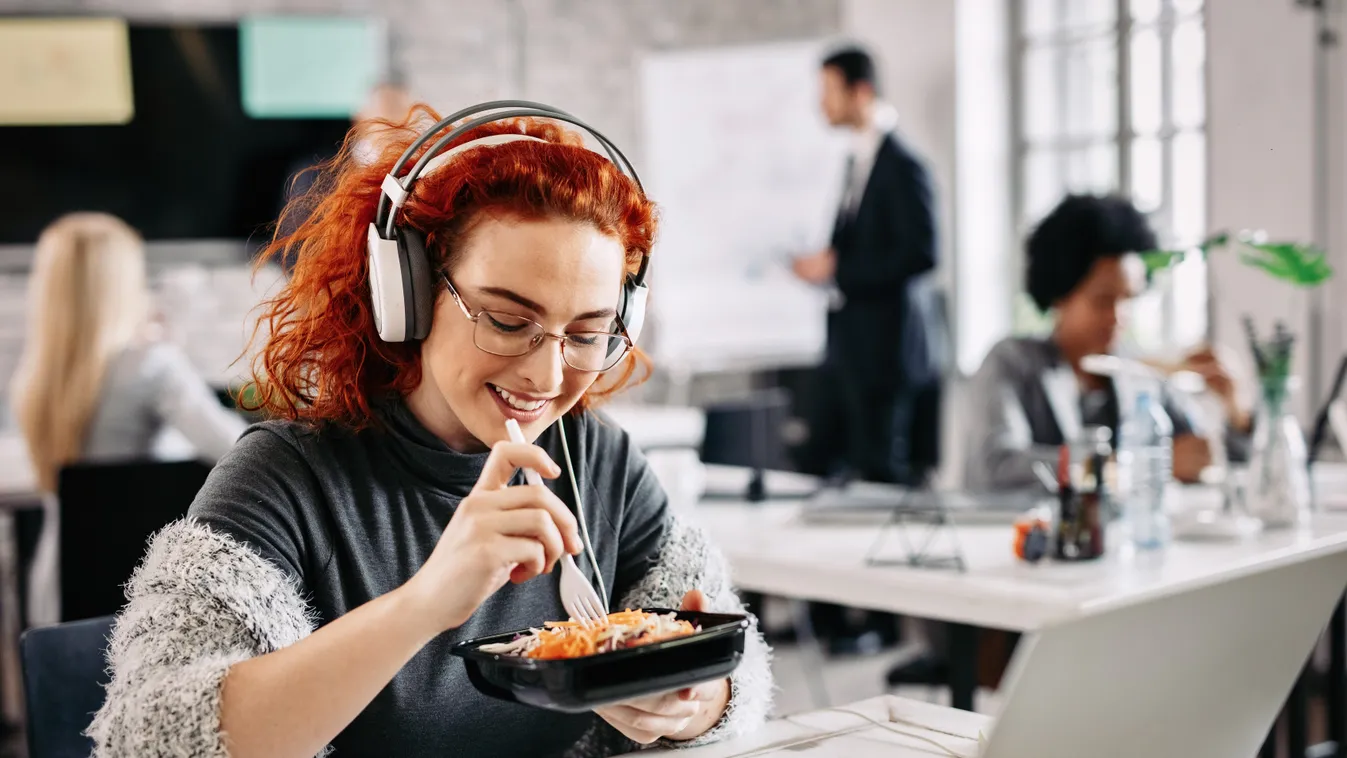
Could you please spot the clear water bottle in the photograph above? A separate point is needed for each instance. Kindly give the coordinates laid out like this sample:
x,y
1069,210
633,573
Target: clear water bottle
x,y
1149,440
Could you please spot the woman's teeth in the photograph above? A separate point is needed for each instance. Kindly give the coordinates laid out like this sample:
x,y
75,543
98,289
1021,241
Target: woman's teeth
x,y
518,403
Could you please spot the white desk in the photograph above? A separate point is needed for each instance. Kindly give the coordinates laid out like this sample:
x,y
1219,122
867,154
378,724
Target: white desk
x,y
17,482
655,426
772,552
836,733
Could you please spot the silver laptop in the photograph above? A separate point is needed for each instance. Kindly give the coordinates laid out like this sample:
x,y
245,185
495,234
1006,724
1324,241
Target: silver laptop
x,y
1198,674
864,503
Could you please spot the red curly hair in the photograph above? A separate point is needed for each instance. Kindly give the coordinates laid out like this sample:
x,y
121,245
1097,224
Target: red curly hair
x,y
322,360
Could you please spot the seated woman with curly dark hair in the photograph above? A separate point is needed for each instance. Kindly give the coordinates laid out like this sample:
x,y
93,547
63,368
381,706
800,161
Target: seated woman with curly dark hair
x,y
1030,393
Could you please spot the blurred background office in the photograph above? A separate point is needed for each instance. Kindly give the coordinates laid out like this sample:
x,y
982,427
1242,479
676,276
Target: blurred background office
x,y
185,125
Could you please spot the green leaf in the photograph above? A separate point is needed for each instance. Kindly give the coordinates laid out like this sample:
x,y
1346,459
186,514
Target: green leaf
x,y
1276,268
1301,265
1159,260
1218,240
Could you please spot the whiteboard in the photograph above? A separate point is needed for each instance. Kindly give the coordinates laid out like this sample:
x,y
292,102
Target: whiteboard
x,y
747,175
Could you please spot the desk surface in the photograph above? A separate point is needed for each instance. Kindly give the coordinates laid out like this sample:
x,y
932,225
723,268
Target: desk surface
x,y
839,733
771,551
17,482
653,426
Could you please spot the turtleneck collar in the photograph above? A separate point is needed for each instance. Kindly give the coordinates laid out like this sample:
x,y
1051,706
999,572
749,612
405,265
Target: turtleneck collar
x,y
423,454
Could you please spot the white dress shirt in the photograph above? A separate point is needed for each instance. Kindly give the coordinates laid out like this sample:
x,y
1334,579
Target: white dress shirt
x,y
864,147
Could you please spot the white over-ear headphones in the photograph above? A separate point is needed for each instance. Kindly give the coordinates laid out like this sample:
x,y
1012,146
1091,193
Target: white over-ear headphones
x,y
401,281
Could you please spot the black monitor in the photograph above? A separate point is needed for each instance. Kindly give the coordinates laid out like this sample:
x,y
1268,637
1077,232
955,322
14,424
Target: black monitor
x,y
748,433
191,165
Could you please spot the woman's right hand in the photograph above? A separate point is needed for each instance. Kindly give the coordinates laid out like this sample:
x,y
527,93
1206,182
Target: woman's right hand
x,y
497,534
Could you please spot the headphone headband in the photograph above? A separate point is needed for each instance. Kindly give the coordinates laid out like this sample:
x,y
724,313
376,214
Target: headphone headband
x,y
400,278
506,110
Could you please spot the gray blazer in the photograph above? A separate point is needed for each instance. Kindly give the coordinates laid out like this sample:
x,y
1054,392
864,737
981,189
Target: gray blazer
x,y
1023,404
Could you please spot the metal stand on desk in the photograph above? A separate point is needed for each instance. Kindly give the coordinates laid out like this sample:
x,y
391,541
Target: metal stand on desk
x,y
932,521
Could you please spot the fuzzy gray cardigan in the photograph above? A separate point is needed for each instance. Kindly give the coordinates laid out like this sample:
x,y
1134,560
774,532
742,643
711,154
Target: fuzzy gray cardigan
x,y
201,602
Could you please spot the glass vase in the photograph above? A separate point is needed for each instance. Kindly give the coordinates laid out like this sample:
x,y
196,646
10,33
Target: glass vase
x,y
1278,485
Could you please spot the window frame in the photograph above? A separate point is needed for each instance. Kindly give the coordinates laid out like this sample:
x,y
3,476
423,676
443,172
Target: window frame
x,y
1122,137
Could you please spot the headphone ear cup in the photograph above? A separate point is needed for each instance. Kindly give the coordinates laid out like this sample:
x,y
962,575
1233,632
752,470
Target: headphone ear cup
x,y
633,307
421,297
620,322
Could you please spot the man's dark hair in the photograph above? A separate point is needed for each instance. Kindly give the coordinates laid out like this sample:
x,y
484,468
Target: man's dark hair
x,y
855,65
1079,231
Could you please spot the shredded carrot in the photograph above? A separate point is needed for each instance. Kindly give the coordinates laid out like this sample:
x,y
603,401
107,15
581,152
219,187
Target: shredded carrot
x,y
627,628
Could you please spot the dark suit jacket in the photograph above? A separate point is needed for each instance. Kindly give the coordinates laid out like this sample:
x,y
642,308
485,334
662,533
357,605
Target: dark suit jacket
x,y
887,332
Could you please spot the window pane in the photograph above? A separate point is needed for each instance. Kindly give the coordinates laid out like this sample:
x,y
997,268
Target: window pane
x,y
1189,289
1040,93
1093,169
1042,184
1090,14
1091,90
1190,187
1146,80
1147,176
1190,55
1186,7
1039,17
1145,11
1144,318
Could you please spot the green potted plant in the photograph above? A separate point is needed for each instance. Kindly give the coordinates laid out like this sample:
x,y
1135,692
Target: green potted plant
x,y
1277,490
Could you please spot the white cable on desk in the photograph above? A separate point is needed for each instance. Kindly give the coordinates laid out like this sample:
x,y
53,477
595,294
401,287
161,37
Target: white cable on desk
x,y
888,725
580,513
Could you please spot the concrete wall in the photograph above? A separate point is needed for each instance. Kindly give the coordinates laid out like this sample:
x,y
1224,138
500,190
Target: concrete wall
x,y
575,54
1261,165
578,54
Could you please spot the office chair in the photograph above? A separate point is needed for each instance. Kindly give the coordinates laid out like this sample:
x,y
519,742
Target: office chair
x,y
108,511
64,673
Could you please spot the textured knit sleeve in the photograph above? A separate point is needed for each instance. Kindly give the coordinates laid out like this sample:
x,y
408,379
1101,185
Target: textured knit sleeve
x,y
198,604
688,561
662,557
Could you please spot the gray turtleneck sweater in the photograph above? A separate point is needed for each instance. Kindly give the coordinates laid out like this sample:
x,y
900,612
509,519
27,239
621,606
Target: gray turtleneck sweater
x,y
297,526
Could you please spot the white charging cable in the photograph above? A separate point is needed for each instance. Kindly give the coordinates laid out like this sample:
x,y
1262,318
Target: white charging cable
x,y
580,514
887,725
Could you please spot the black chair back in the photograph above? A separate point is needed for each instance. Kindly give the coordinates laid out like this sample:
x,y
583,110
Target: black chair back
x,y
64,673
108,511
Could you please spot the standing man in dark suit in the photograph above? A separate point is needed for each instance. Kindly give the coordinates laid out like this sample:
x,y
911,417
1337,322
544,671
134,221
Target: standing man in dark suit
x,y
882,352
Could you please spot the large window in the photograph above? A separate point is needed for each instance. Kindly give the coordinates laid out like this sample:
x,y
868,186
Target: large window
x,y
1111,97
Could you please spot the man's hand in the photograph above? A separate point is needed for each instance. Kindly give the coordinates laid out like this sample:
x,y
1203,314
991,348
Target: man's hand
x,y
681,715
817,268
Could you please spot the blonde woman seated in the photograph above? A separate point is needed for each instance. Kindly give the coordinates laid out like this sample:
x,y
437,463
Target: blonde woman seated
x,y
91,384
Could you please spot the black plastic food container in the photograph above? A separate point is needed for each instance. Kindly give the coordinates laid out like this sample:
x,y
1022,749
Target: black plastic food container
x,y
577,685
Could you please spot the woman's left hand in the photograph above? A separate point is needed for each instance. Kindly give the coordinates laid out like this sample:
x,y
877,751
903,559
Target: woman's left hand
x,y
681,715
1217,375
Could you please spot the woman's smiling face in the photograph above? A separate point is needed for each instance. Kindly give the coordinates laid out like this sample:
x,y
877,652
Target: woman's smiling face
x,y
566,276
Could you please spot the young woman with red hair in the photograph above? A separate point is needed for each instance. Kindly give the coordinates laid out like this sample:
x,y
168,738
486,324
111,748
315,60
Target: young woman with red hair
x,y
333,559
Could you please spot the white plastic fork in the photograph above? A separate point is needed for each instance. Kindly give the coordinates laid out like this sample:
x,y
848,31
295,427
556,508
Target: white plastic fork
x,y
577,594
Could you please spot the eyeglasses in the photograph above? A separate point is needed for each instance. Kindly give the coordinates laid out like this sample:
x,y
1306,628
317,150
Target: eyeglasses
x,y
510,336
